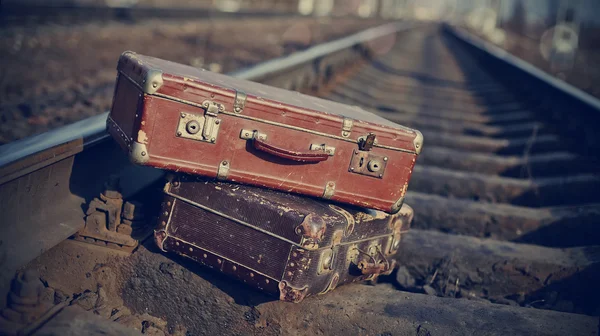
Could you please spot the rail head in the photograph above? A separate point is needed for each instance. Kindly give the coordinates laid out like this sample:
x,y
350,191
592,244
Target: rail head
x,y
506,57
93,129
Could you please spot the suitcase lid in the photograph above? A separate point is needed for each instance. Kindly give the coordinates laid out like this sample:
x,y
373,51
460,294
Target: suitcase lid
x,y
172,80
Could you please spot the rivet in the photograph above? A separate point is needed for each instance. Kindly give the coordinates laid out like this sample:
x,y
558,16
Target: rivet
x,y
224,163
234,268
289,273
168,203
266,280
177,243
176,184
163,223
191,249
204,255
385,158
166,213
219,261
380,175
292,264
217,122
212,139
417,145
294,254
351,169
154,85
182,115
251,275
246,134
237,109
143,153
212,95
178,133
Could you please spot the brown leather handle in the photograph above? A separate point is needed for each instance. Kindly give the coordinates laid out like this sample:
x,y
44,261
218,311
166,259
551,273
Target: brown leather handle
x,y
308,156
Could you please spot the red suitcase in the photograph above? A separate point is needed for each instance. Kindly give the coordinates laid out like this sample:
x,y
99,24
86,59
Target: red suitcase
x,y
184,119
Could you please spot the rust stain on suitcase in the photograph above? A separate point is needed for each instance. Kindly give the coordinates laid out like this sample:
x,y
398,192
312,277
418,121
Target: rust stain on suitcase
x,y
312,229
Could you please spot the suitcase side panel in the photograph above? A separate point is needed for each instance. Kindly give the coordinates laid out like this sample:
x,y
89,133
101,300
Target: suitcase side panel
x,y
361,252
246,246
233,158
216,262
122,122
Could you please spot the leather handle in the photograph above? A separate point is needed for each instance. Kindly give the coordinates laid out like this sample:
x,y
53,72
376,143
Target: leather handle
x,y
308,156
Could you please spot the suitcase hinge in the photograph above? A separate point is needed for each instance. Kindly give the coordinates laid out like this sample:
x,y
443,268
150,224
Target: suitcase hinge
x,y
223,170
240,101
346,127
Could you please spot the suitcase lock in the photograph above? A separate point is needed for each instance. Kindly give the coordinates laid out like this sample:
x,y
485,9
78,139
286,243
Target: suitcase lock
x,y
201,127
365,162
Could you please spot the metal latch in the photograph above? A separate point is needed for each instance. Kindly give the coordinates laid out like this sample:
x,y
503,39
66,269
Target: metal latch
x,y
366,143
201,127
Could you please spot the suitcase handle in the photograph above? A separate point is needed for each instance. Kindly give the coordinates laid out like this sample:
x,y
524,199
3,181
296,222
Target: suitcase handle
x,y
308,156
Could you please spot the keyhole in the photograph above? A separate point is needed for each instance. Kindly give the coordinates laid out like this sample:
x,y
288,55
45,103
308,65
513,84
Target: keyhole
x,y
362,161
192,127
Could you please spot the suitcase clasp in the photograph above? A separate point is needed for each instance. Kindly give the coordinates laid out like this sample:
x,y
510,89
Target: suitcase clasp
x,y
201,127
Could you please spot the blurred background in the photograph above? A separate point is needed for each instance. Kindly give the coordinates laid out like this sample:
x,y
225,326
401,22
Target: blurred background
x,y
58,57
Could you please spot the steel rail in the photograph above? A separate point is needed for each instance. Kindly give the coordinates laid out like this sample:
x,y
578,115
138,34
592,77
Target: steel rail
x,y
502,55
562,103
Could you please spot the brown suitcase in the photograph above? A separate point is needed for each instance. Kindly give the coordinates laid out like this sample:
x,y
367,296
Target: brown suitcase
x,y
284,244
184,119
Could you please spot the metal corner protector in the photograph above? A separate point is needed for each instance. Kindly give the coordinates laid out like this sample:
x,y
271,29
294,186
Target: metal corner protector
x,y
138,153
153,81
418,142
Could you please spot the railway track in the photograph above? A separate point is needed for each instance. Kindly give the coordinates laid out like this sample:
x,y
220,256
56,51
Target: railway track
x,y
504,199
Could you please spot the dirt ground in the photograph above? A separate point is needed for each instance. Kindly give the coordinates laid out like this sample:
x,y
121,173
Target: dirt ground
x,y
52,75
163,294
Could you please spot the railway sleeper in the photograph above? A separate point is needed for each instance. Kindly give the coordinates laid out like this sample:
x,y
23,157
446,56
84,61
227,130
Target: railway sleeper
x,y
402,84
351,96
465,127
536,192
524,166
534,144
489,89
503,272
563,226
414,101
437,94
416,96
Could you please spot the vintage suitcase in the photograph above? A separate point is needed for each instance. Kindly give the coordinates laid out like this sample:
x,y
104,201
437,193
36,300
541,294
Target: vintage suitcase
x,y
284,244
184,119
